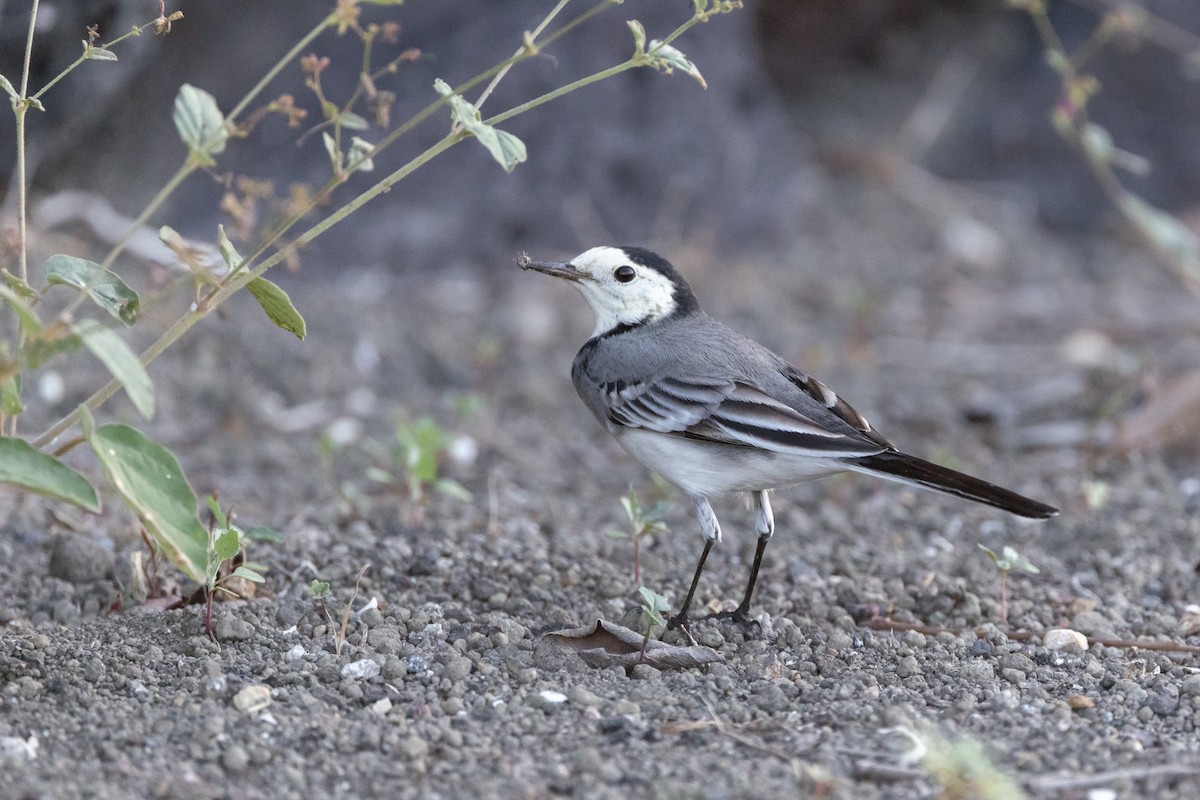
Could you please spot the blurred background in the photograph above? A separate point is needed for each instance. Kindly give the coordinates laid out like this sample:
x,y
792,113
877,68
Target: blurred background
x,y
959,88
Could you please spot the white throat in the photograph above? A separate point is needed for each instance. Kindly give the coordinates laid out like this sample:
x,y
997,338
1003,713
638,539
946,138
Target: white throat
x,y
647,298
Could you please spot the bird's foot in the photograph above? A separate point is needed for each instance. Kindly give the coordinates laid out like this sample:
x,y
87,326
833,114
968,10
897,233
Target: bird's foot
x,y
740,616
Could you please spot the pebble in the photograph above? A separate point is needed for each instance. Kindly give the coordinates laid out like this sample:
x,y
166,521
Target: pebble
x,y
1191,685
363,668
1065,639
235,759
79,559
252,698
1093,623
585,698
458,668
907,667
228,628
414,747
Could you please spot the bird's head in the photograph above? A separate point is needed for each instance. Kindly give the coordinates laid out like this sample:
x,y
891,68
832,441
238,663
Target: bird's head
x,y
626,286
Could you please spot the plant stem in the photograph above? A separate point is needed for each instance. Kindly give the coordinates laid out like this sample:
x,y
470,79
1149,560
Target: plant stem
x,y
20,110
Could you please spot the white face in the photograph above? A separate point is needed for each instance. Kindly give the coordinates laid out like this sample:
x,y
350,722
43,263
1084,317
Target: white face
x,y
621,291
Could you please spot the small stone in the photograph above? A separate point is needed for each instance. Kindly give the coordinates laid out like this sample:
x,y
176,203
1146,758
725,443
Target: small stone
x,y
913,639
1019,662
253,698
645,672
584,698
414,747
1013,675
228,628
1164,704
79,559
363,668
381,707
710,637
1065,639
1093,623
297,652
235,759
1191,685
552,698
458,668
1080,702
907,667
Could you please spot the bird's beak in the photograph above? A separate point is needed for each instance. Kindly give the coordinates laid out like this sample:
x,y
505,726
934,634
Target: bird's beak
x,y
559,269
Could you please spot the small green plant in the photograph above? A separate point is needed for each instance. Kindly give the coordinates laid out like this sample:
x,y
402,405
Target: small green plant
x,y
319,592
1006,561
963,769
642,523
413,463
226,542
654,605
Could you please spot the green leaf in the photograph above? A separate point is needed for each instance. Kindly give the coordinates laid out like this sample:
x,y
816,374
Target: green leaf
x,y
352,121
25,313
34,471
278,305
507,149
653,606
10,90
122,362
103,286
318,590
218,515
226,546
233,259
452,488
10,396
152,485
98,53
245,573
359,157
667,59
200,123
335,156
22,288
639,38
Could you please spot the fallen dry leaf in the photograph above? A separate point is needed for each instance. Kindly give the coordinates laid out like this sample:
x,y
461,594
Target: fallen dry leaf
x,y
607,644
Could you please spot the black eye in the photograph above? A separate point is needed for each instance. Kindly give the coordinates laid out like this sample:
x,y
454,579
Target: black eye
x,y
625,273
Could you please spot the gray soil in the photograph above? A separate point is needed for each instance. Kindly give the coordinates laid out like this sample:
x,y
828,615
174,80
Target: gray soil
x,y
878,616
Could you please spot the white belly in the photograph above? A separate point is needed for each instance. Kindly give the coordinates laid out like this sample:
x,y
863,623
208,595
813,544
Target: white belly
x,y
705,469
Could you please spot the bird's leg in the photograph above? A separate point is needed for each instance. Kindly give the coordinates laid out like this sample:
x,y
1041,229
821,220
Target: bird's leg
x,y
764,523
712,534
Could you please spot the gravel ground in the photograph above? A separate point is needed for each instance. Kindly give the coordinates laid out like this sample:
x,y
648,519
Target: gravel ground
x,y
440,684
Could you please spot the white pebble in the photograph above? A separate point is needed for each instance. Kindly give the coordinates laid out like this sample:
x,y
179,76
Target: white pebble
x,y
363,668
1064,638
252,698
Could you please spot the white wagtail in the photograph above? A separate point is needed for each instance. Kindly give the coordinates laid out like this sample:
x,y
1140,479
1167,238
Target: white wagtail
x,y
714,412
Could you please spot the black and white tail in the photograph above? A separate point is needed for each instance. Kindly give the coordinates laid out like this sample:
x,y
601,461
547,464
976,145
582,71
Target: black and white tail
x,y
901,467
